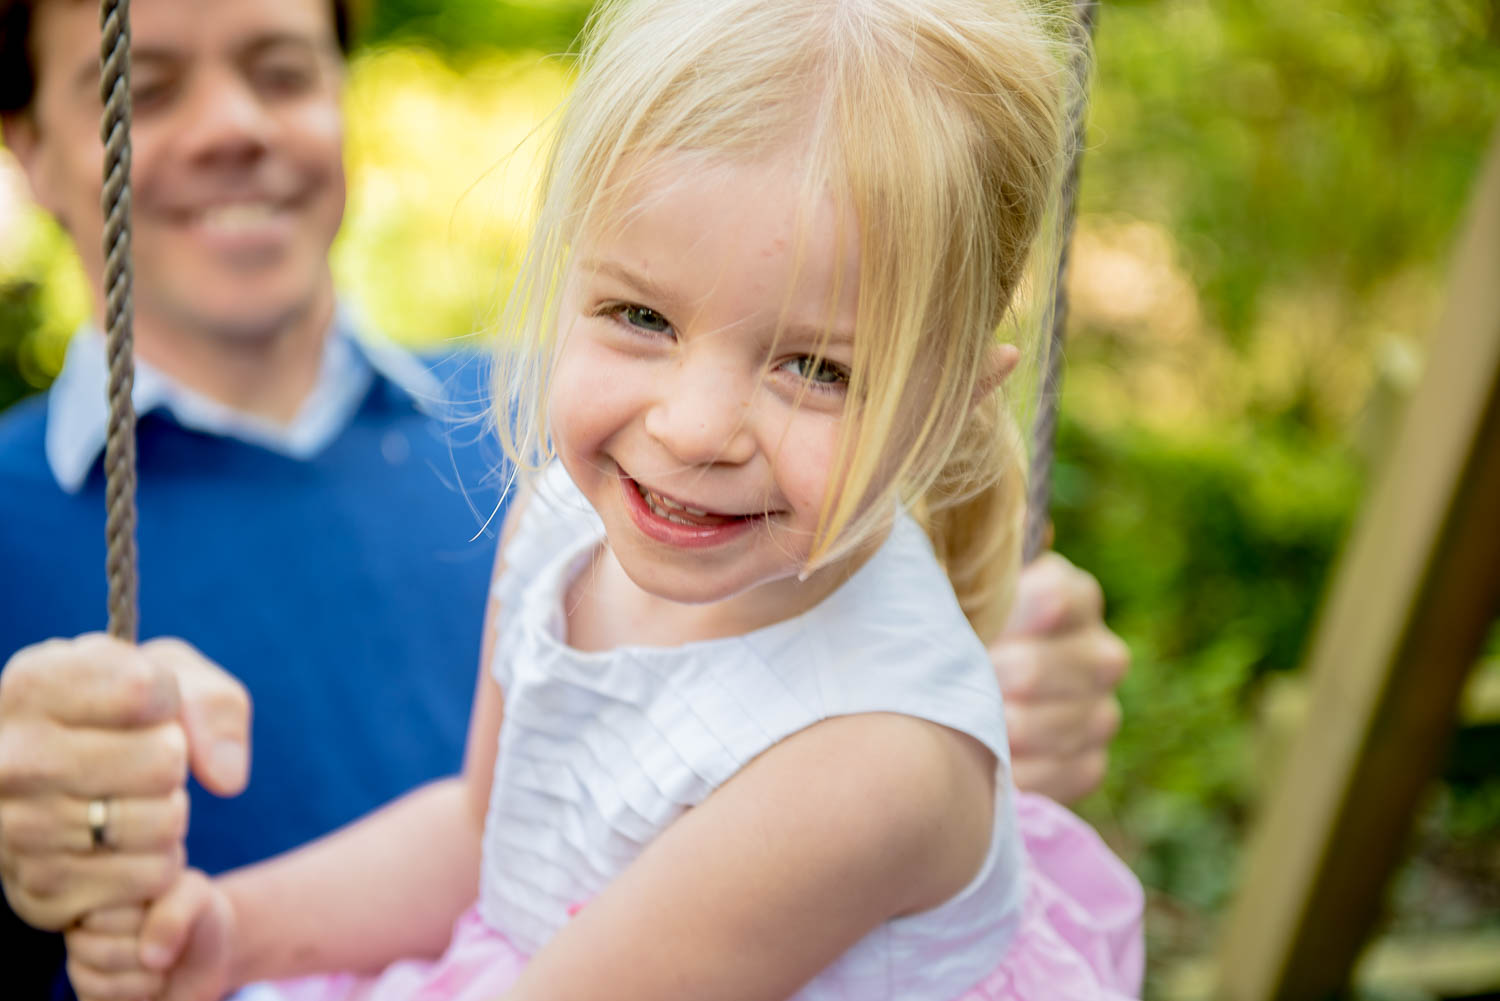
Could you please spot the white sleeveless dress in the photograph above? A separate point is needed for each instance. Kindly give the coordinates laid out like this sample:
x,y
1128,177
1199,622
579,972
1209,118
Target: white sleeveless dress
x,y
600,751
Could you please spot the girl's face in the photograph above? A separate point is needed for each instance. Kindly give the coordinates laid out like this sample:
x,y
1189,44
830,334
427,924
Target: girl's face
x,y
706,338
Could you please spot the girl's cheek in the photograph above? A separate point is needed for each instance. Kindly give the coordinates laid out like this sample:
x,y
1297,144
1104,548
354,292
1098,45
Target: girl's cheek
x,y
568,385
811,452
587,392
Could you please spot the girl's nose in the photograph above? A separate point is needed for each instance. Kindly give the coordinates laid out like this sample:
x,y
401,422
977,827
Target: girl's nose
x,y
701,414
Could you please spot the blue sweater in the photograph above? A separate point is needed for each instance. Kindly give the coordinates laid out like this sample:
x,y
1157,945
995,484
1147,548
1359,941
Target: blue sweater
x,y
346,592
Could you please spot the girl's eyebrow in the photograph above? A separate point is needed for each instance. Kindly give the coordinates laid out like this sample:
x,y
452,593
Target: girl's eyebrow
x,y
642,285
823,337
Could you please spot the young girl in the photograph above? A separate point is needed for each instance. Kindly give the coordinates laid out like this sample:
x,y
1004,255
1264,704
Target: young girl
x,y
751,746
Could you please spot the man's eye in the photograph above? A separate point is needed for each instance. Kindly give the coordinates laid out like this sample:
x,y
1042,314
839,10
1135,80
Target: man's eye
x,y
645,318
284,79
147,94
810,368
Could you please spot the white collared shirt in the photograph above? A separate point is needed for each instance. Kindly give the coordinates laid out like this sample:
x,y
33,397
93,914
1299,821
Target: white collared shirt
x,y
77,410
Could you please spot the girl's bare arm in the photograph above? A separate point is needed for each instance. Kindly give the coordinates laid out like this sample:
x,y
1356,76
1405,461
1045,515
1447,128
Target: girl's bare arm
x,y
386,887
838,828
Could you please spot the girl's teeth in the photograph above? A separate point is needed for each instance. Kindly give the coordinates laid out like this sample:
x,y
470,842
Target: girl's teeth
x,y
654,503
664,507
668,502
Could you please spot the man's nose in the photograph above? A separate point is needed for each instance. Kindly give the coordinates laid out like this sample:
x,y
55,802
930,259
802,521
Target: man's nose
x,y
701,412
227,121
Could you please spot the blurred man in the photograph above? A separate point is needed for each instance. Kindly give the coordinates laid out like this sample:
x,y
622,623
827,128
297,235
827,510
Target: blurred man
x,y
305,521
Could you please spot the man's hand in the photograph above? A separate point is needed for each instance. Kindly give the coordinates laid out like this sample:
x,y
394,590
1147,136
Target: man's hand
x,y
185,936
94,726
104,956
1059,666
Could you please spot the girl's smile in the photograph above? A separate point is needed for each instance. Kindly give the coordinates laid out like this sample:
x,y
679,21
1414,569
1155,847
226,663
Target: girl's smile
x,y
674,523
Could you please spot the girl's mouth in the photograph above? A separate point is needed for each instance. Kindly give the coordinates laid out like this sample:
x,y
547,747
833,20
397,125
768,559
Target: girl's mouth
x,y
676,523
665,507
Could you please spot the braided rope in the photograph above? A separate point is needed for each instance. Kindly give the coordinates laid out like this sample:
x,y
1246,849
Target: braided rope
x,y
1044,431
119,446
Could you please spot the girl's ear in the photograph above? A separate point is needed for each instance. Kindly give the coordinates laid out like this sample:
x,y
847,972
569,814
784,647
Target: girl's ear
x,y
999,362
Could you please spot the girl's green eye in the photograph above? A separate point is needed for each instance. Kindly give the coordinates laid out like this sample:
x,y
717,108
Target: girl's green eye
x,y
812,369
645,318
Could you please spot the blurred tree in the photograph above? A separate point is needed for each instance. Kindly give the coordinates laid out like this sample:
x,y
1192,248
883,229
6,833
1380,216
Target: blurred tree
x,y
1289,146
20,313
459,26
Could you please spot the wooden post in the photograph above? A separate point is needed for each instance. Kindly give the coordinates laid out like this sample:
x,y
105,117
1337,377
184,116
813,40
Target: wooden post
x,y
1417,589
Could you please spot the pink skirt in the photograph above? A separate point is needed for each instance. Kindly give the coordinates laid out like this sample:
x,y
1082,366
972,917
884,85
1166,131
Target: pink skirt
x,y
1079,939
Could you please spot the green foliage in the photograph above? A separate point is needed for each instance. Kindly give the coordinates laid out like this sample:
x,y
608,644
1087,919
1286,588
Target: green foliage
x,y
20,313
1309,162
463,26
43,295
1213,547
1286,142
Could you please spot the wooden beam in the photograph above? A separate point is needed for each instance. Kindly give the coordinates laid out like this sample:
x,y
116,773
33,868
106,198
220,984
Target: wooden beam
x,y
1416,591
1438,965
1283,710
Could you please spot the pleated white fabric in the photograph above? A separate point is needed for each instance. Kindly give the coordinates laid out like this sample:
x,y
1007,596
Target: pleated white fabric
x,y
599,752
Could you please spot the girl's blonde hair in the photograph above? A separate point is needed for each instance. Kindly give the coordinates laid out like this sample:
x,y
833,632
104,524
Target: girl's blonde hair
x,y
938,126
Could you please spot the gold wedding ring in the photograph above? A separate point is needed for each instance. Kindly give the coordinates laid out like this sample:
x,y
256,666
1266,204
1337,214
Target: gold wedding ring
x,y
98,817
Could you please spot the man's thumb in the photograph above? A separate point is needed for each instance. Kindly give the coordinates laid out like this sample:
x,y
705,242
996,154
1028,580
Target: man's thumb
x,y
1038,606
215,714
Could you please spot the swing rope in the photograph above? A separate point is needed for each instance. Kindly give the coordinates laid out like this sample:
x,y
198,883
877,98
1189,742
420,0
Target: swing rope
x,y
1044,431
119,444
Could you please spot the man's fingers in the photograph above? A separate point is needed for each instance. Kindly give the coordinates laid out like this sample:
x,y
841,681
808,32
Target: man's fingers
x,y
107,941
40,756
93,680
1065,780
105,953
45,824
215,713
1061,729
169,922
55,891
1058,667
98,985
1051,728
1052,596
125,920
1080,664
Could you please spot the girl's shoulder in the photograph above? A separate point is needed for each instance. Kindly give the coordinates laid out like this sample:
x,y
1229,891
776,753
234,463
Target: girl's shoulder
x,y
892,639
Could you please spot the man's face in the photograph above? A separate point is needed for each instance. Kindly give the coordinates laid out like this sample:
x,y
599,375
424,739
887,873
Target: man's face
x,y
238,182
